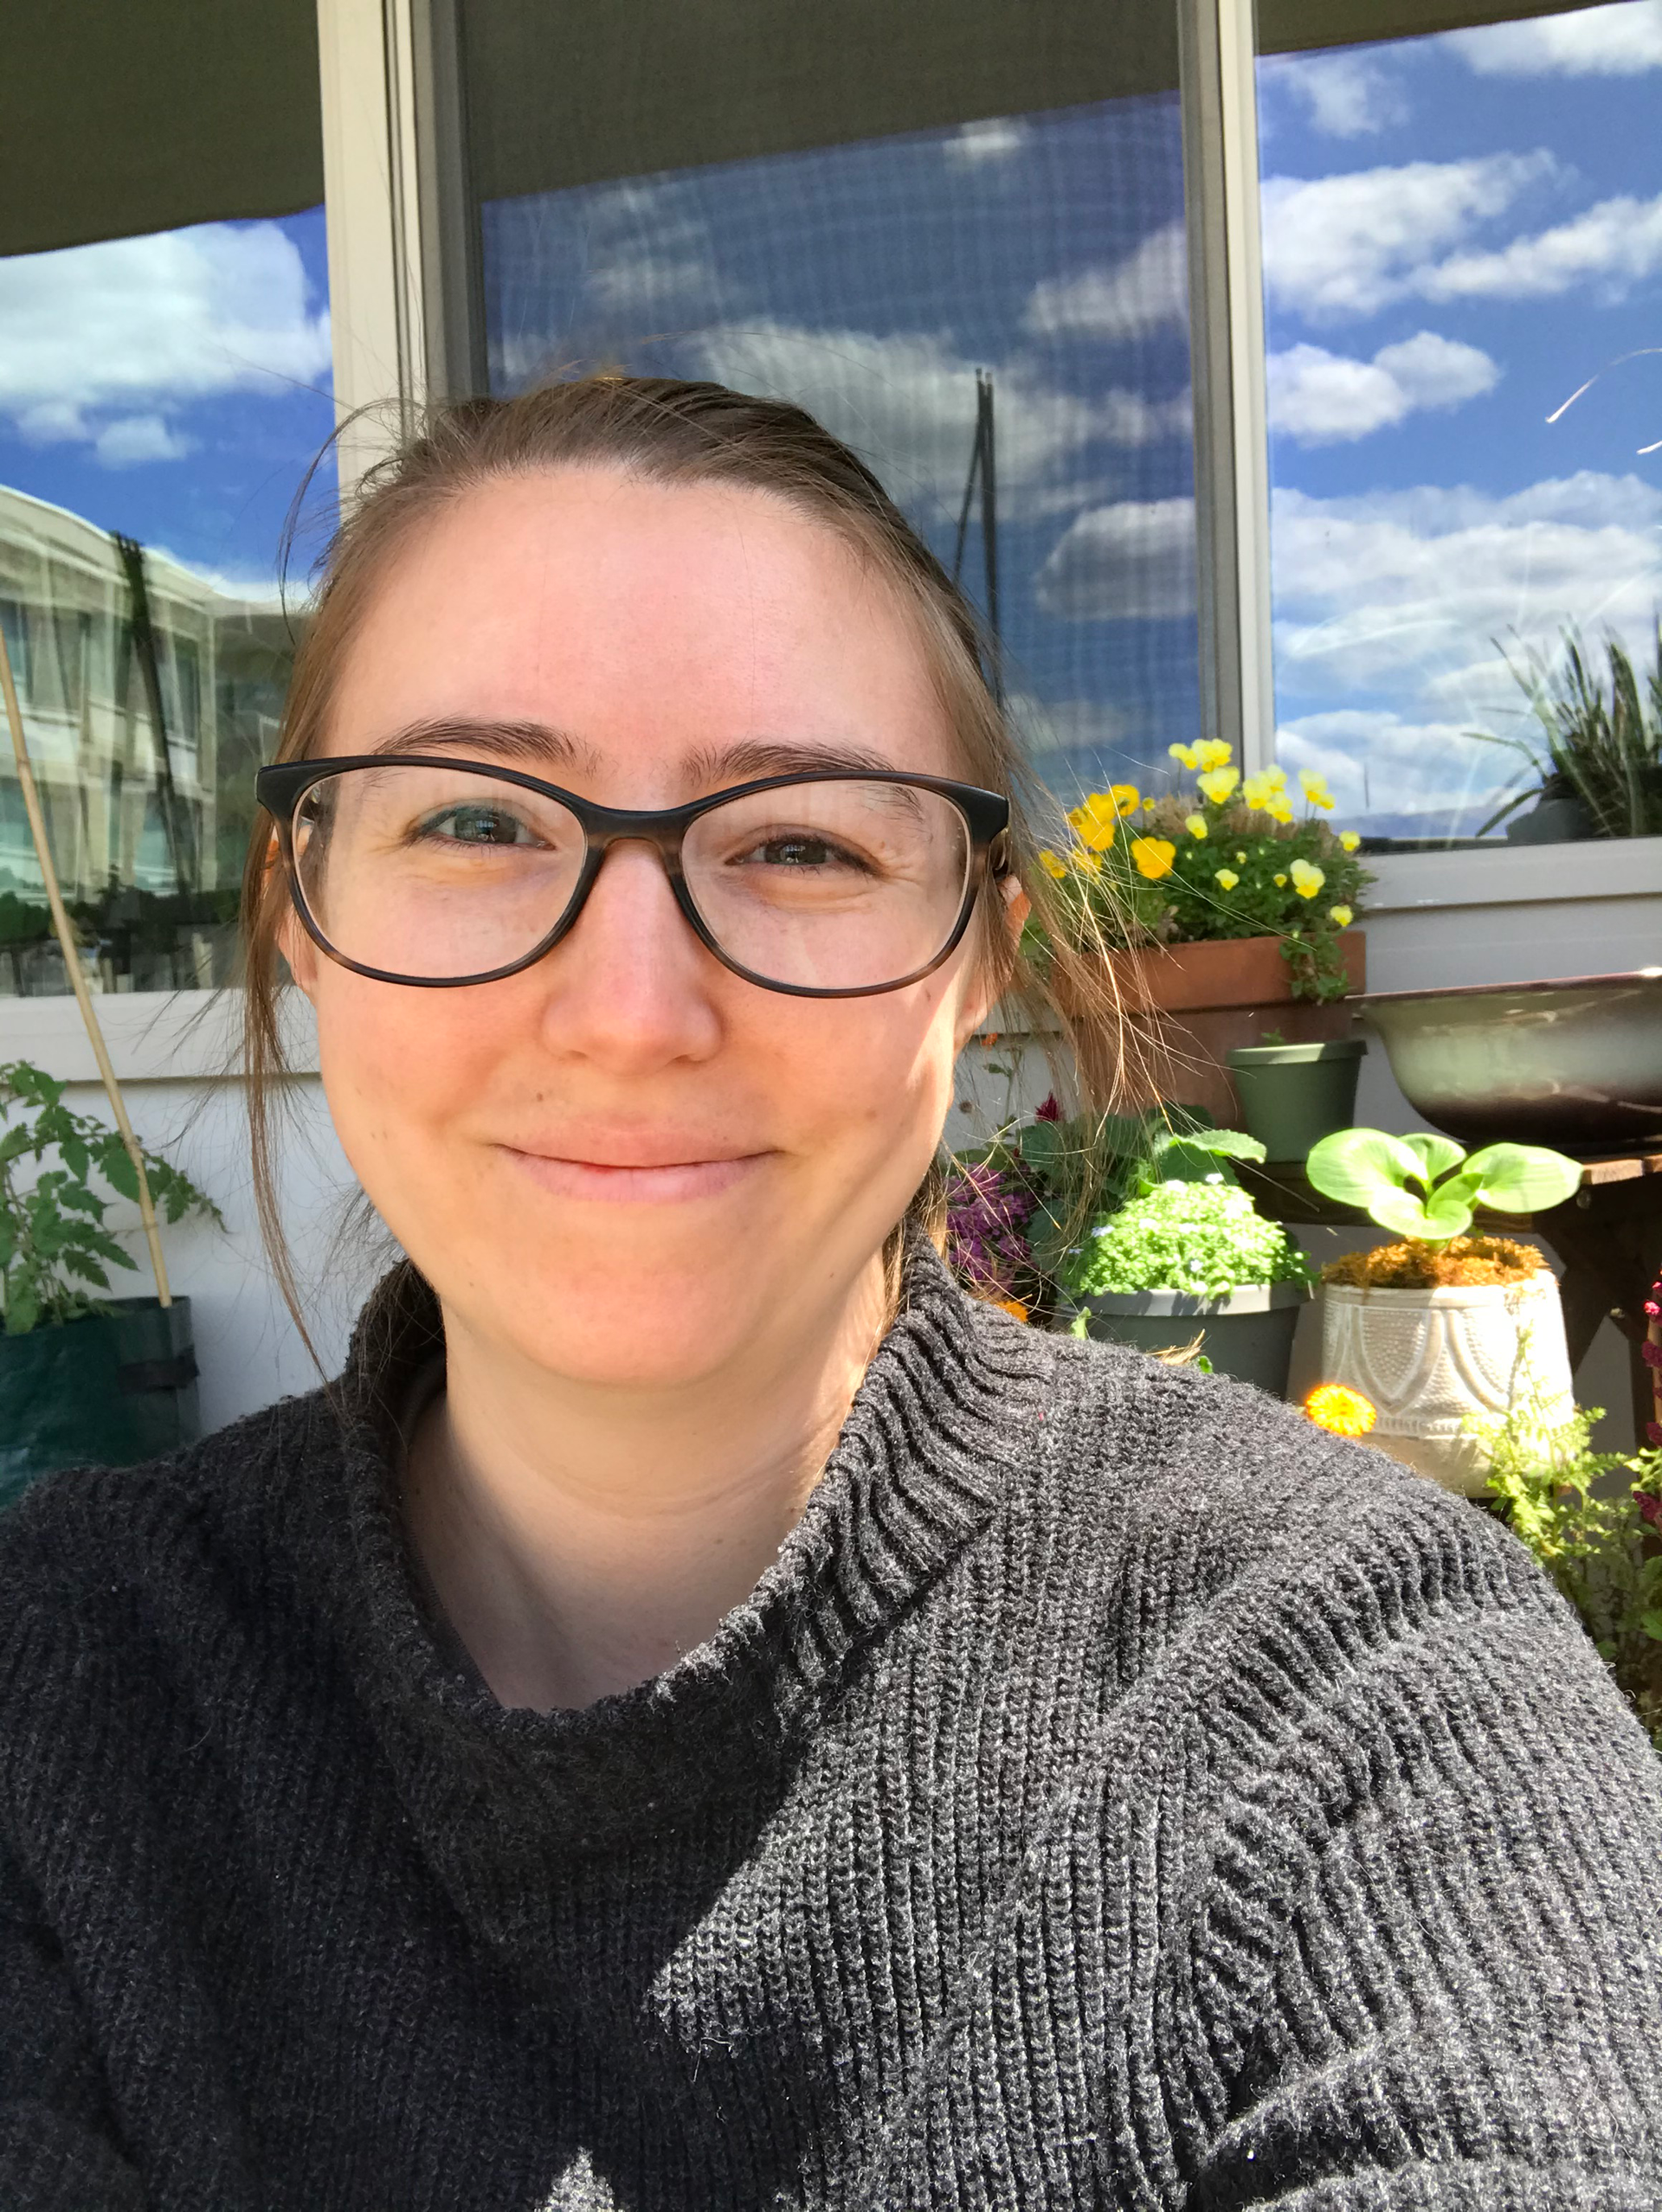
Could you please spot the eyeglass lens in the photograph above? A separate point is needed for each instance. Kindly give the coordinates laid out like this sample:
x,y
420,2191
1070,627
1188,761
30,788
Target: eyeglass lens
x,y
439,874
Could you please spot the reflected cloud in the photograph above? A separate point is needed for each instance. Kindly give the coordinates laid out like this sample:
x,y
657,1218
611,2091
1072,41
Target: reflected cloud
x,y
1145,292
1133,561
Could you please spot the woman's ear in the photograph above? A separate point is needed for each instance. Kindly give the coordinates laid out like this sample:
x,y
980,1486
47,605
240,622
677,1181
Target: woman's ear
x,y
296,948
978,999
1017,904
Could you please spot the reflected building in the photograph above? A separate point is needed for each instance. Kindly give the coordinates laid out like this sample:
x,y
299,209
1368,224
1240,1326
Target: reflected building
x,y
149,696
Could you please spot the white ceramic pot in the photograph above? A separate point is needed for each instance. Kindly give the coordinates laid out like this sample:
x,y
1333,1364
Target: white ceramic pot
x,y
1426,1358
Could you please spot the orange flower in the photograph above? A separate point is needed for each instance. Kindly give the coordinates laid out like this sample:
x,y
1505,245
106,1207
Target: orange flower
x,y
1345,1412
1012,1306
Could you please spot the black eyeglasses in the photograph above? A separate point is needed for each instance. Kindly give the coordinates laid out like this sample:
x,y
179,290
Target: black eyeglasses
x,y
419,870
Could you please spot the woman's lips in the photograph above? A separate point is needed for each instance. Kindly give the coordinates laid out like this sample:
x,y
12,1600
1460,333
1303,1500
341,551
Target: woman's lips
x,y
671,1181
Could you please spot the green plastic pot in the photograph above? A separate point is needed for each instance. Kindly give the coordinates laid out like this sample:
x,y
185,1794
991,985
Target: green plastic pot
x,y
1248,1335
109,1391
1292,1096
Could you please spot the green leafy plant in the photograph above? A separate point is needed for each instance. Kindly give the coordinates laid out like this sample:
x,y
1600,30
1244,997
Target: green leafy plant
x,y
1428,1188
1205,1239
55,1250
1229,858
1598,742
1602,1552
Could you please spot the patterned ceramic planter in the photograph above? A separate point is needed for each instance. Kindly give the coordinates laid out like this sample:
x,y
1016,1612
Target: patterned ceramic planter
x,y
1428,1357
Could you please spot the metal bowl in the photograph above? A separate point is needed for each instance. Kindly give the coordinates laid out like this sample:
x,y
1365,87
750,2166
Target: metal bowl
x,y
1575,1061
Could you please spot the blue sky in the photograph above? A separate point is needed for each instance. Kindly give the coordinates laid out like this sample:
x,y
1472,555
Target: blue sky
x,y
173,387
1459,232
870,282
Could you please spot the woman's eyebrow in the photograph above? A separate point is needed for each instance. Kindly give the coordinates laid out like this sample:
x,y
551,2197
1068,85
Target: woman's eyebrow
x,y
711,766
533,744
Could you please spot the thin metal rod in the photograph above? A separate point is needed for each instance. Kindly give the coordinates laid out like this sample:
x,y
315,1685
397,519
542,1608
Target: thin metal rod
x,y
65,938
989,525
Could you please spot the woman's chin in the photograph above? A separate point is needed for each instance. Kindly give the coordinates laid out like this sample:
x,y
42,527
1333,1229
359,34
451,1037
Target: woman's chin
x,y
662,1326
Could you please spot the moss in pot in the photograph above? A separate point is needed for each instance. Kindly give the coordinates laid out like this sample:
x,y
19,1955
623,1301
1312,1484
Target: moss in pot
x,y
1437,1327
1196,1259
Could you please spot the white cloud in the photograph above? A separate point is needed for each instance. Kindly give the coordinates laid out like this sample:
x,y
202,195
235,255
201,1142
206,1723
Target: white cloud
x,y
132,439
1345,95
973,144
151,323
1132,561
906,403
1320,398
1149,288
1621,39
1069,725
1618,243
1351,244
1411,596
1377,762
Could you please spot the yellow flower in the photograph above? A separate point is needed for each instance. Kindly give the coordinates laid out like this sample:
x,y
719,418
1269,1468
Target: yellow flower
x,y
1214,753
1241,856
1315,789
1083,863
1264,790
1228,878
1279,808
1345,1412
1349,839
1341,917
1153,857
1096,820
1126,798
1307,879
1219,783
1280,882
1053,864
1188,754
1195,825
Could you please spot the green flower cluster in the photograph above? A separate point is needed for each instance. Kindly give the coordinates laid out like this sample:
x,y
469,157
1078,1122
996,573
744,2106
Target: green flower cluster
x,y
1207,1239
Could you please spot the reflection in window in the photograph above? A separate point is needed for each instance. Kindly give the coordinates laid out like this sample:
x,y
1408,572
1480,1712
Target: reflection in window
x,y
163,399
1009,289
1463,275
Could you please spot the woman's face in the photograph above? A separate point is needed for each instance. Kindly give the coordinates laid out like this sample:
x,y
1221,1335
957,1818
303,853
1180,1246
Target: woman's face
x,y
627,1164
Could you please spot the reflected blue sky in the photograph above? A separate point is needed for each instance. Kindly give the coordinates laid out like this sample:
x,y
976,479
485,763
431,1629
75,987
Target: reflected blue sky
x,y
174,388
870,282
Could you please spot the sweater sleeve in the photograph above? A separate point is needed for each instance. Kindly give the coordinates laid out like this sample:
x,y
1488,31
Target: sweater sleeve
x,y
1433,1948
58,2152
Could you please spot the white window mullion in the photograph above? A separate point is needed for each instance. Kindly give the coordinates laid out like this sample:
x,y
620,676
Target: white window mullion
x,y
371,210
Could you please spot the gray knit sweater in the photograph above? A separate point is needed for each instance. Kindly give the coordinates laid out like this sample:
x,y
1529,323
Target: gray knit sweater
x,y
1116,1794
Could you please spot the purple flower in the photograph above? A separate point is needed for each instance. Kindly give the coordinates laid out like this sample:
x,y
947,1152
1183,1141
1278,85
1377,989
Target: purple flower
x,y
1650,1508
1050,1111
987,1209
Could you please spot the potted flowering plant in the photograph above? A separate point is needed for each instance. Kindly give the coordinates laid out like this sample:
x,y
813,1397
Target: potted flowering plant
x,y
1225,906
1438,1327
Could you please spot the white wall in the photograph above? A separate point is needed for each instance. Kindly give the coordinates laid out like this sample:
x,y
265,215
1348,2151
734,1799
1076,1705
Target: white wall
x,y
1570,911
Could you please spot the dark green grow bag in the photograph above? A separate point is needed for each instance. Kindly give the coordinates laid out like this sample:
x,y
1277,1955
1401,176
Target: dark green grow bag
x,y
109,1390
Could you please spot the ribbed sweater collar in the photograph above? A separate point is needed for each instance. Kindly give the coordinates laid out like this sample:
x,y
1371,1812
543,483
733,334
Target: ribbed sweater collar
x,y
950,1406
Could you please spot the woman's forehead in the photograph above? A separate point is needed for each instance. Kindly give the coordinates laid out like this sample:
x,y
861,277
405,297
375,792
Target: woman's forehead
x,y
633,615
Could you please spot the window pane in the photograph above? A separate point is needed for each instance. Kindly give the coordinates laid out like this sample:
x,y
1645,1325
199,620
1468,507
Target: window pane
x,y
1463,273
1013,273
161,397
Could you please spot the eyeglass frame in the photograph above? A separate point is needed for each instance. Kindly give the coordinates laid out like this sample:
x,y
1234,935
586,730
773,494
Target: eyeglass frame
x,y
279,787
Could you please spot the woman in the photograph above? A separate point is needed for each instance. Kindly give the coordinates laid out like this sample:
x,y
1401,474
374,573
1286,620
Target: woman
x,y
704,1714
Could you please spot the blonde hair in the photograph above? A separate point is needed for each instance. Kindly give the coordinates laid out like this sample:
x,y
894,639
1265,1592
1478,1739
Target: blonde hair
x,y
664,431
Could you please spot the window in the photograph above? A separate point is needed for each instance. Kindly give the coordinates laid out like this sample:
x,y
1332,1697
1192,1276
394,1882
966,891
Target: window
x,y
954,232
1462,237
164,381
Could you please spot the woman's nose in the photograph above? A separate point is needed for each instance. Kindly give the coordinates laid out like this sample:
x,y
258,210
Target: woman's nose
x,y
631,984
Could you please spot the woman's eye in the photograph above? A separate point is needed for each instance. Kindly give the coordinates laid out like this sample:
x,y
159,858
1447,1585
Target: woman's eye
x,y
801,849
474,825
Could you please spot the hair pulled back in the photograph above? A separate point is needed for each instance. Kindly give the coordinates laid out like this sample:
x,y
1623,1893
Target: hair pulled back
x,y
664,431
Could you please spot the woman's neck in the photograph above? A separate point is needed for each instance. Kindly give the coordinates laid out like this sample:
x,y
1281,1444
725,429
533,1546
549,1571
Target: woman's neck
x,y
581,1538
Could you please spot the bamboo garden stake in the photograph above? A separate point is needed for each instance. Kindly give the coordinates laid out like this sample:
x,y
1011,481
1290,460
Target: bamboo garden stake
x,y
78,980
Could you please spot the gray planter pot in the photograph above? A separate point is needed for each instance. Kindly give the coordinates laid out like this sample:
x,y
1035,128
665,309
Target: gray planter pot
x,y
1292,1096
1248,1335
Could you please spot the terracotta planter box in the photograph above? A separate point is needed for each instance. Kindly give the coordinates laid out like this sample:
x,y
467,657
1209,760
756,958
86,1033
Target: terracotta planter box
x,y
1191,1005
